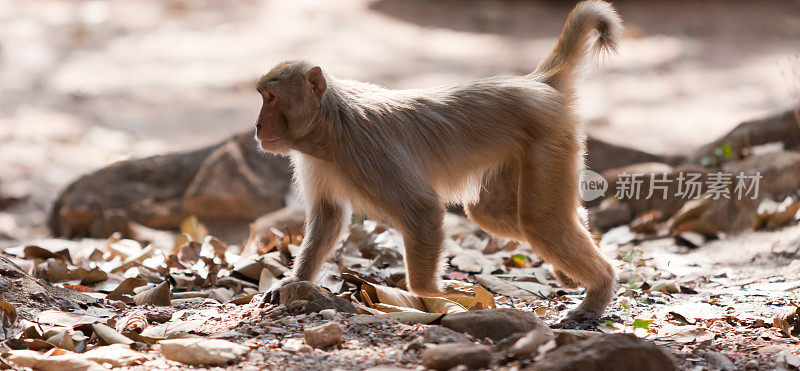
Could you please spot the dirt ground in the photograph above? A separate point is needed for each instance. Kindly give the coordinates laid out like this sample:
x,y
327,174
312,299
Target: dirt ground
x,y
86,83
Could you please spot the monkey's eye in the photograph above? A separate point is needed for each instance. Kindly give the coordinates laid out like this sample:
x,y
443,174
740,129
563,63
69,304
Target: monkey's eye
x,y
270,97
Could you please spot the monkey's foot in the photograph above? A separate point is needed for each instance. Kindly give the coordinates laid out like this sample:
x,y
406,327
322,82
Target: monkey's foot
x,y
272,296
582,315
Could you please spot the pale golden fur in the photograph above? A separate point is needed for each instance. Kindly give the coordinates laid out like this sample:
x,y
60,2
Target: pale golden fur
x,y
510,148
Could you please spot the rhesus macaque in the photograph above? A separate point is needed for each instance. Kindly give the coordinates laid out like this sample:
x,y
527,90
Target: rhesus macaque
x,y
510,148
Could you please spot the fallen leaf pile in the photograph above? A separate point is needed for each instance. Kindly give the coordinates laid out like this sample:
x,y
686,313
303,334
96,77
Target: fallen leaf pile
x,y
145,285
164,299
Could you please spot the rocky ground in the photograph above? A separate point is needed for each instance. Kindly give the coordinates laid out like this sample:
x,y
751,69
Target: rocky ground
x,y
87,84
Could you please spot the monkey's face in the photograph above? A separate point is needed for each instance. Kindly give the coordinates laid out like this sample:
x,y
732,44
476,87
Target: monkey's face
x,y
271,125
291,94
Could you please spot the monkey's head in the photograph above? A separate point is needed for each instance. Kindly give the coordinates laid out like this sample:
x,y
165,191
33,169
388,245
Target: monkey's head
x,y
291,94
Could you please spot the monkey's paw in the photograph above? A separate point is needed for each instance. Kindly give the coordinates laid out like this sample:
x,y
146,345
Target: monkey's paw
x,y
272,296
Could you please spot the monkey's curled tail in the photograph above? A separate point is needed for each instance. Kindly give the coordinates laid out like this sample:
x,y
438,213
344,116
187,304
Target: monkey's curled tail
x,y
574,46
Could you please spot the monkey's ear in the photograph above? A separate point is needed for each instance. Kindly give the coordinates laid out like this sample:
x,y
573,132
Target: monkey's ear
x,y
316,81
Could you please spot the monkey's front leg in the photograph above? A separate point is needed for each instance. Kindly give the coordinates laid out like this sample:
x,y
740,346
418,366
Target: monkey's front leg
x,y
423,237
326,221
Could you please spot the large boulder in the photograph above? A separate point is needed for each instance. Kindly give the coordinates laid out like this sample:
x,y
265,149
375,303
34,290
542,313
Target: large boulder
x,y
496,324
781,127
734,211
662,174
229,183
608,352
780,172
602,156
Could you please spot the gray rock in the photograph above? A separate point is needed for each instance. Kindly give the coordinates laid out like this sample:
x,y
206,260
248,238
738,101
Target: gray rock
x,y
645,172
317,297
608,352
495,324
447,356
327,314
324,335
610,213
439,335
29,294
228,183
601,156
719,361
528,345
366,320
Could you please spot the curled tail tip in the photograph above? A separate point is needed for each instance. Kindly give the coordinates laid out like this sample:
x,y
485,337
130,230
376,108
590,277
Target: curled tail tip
x,y
576,43
607,23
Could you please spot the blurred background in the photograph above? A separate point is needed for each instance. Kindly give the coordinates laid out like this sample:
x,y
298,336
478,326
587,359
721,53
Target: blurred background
x,y
84,84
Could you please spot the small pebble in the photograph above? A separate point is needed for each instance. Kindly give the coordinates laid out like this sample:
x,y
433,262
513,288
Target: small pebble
x,y
324,335
447,356
327,314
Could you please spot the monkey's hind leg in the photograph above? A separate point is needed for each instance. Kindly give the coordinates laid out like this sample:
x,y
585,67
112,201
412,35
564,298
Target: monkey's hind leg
x,y
548,203
496,210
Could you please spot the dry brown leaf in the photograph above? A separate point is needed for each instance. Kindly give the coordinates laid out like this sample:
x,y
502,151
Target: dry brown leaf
x,y
782,324
373,293
53,270
388,308
90,277
134,321
517,289
126,288
544,312
117,355
199,351
480,298
266,280
244,299
192,227
63,340
134,260
220,294
363,309
67,319
39,253
171,330
666,286
109,335
124,249
8,315
53,360
157,295
189,253
442,305
212,247
31,344
250,267
693,334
